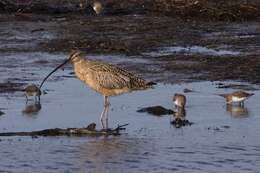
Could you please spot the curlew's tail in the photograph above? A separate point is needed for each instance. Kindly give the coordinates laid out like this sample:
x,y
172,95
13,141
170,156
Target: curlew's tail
x,y
151,83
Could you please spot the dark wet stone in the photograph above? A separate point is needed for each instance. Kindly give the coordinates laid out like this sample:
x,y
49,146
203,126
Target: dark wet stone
x,y
34,137
186,90
217,129
91,127
1,113
156,110
226,127
178,123
37,30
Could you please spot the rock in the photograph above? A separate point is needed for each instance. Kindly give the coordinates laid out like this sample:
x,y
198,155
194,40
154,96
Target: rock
x,y
91,127
1,113
156,110
186,90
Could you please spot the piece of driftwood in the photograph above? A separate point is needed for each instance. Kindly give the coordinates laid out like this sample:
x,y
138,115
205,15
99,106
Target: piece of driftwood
x,y
87,131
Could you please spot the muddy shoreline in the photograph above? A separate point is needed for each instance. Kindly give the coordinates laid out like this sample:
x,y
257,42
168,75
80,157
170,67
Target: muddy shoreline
x,y
231,10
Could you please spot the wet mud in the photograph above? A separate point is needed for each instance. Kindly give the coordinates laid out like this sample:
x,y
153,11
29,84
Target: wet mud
x,y
231,10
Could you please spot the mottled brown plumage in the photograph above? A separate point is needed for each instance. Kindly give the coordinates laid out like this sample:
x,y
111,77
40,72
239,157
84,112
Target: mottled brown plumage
x,y
237,96
32,90
107,79
179,100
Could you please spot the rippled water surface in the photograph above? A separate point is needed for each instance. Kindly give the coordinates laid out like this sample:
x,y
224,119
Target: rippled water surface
x,y
218,140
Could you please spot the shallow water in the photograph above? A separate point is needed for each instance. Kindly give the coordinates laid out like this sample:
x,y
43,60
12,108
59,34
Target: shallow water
x,y
217,141
190,51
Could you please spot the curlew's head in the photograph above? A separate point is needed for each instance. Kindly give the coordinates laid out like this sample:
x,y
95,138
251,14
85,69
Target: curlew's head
x,y
75,56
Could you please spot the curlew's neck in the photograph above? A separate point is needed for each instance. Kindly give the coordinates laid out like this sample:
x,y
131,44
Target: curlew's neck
x,y
76,59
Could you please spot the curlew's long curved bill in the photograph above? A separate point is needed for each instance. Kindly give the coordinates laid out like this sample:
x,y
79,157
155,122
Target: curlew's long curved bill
x,y
59,66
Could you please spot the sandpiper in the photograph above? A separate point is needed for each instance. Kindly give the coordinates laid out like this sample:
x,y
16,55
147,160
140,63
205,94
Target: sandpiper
x,y
179,100
236,97
97,7
32,90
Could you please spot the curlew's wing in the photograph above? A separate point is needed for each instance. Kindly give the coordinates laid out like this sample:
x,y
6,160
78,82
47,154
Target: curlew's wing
x,y
113,77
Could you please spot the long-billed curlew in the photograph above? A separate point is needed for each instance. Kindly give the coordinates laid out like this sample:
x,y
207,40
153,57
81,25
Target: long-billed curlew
x,y
106,79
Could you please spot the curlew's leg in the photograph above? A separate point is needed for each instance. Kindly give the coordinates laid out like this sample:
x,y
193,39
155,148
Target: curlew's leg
x,y
104,114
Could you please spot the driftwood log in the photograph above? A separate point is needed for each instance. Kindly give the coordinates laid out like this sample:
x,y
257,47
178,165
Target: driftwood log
x,y
87,131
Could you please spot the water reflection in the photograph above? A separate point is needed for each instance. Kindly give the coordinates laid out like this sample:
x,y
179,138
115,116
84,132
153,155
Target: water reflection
x,y
109,154
32,108
180,113
180,118
237,111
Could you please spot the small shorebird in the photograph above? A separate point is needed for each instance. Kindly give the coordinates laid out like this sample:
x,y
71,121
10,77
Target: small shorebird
x,y
97,7
104,78
32,90
236,97
32,108
179,100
